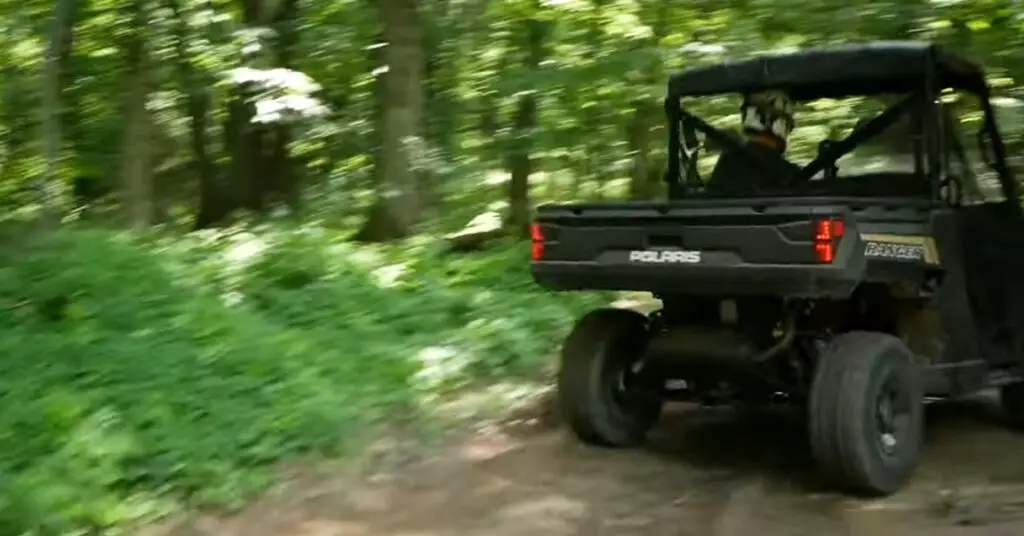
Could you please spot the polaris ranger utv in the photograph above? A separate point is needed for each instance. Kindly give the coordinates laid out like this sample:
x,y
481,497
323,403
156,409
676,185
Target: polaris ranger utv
x,y
854,289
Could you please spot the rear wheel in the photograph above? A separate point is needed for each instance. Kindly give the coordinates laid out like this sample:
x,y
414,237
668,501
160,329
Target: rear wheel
x,y
866,413
602,392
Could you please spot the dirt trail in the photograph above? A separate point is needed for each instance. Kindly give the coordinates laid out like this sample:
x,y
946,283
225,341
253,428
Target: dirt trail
x,y
705,473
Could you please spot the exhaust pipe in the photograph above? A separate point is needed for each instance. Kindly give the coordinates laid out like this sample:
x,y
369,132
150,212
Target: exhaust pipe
x,y
700,347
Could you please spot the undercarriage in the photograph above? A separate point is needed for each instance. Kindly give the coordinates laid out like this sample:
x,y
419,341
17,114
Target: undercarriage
x,y
847,363
758,349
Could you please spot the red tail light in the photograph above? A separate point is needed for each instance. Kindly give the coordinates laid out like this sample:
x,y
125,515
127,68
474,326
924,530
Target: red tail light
x,y
823,252
827,230
826,234
536,242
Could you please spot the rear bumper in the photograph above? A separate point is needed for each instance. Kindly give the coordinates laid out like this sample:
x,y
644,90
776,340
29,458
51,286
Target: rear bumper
x,y
836,281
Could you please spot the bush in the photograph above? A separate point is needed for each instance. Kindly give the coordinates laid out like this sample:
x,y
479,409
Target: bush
x,y
138,375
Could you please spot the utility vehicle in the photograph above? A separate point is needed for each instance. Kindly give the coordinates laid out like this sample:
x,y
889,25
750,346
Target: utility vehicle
x,y
855,290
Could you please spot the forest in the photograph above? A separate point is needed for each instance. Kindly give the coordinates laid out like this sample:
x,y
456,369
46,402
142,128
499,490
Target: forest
x,y
242,232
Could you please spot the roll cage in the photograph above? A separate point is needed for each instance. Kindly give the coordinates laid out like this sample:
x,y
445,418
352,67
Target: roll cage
x,y
921,70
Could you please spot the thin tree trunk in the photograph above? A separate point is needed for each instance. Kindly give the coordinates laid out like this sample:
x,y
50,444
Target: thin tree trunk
x,y
14,118
397,209
286,181
136,168
640,145
645,180
524,124
521,165
49,189
212,203
593,111
250,175
444,34
14,104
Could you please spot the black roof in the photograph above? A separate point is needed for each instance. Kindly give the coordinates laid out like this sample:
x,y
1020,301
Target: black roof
x,y
856,69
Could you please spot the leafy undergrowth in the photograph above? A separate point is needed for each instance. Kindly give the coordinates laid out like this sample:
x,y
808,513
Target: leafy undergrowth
x,y
141,375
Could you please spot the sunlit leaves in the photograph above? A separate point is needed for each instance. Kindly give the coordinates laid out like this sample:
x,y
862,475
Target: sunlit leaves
x,y
283,95
25,53
567,5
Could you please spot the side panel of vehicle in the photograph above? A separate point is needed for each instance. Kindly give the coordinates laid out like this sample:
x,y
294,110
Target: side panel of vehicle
x,y
899,243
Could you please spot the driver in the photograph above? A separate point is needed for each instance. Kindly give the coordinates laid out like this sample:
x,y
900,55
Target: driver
x,y
767,122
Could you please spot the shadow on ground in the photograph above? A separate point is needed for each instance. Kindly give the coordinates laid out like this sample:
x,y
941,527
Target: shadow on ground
x,y
705,473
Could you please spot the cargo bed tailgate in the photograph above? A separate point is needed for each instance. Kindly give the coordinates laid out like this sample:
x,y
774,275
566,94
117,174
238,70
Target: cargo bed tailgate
x,y
698,247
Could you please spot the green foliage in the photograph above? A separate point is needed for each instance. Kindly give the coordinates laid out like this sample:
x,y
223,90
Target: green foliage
x,y
604,68
141,374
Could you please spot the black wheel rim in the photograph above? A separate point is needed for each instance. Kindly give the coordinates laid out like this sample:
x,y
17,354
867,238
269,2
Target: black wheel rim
x,y
628,386
892,418
626,380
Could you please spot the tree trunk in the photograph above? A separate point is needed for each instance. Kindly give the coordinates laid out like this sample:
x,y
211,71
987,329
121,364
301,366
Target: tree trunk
x,y
521,165
16,95
261,171
593,111
524,124
640,145
213,202
18,131
49,188
445,32
286,185
249,174
645,179
136,169
397,208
